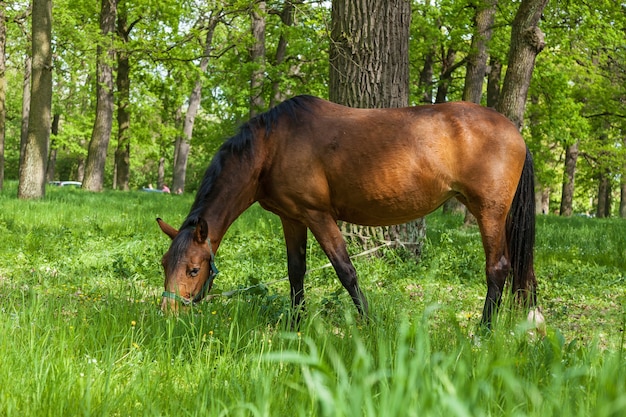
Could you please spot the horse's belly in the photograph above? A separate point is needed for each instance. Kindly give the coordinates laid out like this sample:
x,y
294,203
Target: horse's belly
x,y
395,206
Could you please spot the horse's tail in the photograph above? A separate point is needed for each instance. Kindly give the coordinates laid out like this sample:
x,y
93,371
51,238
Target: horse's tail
x,y
521,236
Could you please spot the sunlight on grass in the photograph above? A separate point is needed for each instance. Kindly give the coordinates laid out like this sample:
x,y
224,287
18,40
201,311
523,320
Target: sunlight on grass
x,y
81,333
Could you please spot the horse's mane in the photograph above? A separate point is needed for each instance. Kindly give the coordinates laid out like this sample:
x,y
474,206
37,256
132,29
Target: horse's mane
x,y
242,144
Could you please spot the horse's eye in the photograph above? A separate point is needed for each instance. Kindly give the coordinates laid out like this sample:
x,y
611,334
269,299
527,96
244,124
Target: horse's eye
x,y
194,272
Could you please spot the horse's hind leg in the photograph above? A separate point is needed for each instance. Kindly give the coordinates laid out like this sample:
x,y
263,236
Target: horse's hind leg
x,y
497,265
295,240
329,236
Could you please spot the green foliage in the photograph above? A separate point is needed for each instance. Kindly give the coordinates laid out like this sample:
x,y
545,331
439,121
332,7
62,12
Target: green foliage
x,y
81,333
577,92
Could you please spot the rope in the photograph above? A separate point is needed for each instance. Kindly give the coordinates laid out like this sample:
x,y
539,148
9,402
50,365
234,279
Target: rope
x,y
308,271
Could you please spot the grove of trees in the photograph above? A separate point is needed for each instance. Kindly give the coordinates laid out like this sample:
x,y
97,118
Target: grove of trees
x,y
144,92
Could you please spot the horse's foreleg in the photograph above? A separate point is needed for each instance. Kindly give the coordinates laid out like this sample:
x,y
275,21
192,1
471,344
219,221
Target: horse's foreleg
x,y
329,236
295,240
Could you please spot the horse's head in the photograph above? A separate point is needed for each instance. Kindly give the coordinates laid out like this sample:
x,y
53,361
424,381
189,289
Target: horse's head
x,y
188,265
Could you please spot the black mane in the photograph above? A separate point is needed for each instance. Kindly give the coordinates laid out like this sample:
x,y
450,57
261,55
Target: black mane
x,y
243,144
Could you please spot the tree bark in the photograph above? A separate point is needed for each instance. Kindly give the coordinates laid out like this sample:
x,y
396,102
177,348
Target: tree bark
x,y
369,53
445,78
425,84
184,143
3,38
604,196
122,81
32,175
161,173
476,68
567,194
493,82
527,40
28,71
101,134
542,200
257,57
52,157
622,199
369,68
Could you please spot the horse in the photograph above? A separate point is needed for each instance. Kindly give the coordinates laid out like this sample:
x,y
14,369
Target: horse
x,y
313,163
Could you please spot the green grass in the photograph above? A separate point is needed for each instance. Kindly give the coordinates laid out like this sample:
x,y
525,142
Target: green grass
x,y
81,334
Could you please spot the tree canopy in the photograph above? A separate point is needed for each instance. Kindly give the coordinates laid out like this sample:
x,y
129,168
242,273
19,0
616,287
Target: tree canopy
x,y
577,94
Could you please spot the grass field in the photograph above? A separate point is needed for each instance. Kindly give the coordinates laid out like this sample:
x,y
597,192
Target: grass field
x,y
81,334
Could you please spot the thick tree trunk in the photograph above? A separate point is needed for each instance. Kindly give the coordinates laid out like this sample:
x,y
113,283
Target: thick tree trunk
x,y
3,38
369,68
369,53
32,181
101,134
567,195
477,57
257,57
183,144
475,72
527,40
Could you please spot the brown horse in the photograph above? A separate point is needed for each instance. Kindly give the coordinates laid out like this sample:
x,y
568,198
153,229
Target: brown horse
x,y
313,163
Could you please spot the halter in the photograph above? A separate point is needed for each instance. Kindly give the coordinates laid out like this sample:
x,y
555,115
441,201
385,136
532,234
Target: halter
x,y
205,287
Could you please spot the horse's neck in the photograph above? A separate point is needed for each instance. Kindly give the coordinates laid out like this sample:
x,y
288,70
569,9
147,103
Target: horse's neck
x,y
235,190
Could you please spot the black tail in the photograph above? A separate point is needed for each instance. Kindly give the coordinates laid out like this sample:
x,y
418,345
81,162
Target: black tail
x,y
521,236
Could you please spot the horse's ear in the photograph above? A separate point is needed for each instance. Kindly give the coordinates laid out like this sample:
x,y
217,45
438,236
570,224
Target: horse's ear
x,y
201,233
166,228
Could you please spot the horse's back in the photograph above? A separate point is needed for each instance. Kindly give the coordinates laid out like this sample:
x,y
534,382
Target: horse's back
x,y
387,166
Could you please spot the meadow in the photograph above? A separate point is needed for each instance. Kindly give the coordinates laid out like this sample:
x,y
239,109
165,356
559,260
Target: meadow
x,y
81,333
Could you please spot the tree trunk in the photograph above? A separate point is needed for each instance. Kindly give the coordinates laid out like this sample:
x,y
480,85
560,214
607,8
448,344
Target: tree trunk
x,y
161,173
257,57
101,134
28,71
447,68
369,68
542,200
567,195
622,197
527,40
32,181
122,81
477,57
425,84
369,53
604,196
476,70
3,38
184,143
493,82
52,157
